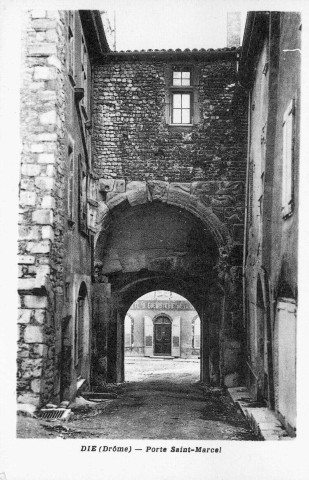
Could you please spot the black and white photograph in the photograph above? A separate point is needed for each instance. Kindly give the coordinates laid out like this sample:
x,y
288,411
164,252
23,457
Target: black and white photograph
x,y
155,311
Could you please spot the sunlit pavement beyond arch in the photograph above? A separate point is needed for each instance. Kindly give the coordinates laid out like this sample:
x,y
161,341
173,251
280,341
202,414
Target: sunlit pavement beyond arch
x,y
164,400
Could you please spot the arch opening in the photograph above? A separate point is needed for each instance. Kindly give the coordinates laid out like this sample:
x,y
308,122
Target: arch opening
x,y
162,338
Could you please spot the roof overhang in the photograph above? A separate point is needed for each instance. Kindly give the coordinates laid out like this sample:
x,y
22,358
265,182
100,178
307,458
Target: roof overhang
x,y
94,33
173,55
256,29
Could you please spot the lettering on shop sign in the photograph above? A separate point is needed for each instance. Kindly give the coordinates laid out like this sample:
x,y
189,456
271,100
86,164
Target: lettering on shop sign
x,y
155,305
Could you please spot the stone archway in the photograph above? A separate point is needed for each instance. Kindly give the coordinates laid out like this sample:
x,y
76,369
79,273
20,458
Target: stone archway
x,y
155,235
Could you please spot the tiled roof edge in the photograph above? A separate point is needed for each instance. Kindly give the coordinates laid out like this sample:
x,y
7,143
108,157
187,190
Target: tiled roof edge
x,y
175,54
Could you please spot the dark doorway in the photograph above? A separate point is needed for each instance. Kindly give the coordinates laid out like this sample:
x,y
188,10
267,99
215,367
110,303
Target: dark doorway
x,y
162,336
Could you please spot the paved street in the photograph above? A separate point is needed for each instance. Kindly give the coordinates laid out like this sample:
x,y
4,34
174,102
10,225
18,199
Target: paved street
x,y
162,399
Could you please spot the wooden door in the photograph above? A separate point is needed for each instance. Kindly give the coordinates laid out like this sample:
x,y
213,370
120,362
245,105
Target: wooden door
x,y
162,336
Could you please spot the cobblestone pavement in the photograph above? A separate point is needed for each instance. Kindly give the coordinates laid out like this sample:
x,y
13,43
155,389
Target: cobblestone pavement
x,y
162,399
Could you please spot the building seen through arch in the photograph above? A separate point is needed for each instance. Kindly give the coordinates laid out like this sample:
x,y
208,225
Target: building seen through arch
x,y
162,324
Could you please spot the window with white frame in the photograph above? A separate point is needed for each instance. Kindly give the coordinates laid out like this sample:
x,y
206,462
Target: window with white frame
x,y
288,127
182,95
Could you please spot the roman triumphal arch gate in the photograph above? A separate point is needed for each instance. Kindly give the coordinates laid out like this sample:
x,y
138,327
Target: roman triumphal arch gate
x,y
157,235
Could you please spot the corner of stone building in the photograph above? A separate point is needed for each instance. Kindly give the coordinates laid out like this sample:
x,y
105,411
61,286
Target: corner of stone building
x,y
40,202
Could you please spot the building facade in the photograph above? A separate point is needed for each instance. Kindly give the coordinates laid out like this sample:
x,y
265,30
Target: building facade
x,y
270,70
55,235
137,175
162,324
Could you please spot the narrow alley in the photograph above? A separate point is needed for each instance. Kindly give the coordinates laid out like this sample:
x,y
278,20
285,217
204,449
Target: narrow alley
x,y
163,399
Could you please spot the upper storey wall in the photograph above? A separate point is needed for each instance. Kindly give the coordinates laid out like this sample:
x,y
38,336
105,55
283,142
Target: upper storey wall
x,y
133,137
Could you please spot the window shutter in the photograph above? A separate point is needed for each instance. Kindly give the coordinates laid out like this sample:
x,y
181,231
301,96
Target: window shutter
x,y
82,195
71,184
287,160
250,203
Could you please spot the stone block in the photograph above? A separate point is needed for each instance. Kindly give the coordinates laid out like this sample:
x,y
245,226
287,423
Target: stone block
x,y
45,73
51,35
48,202
24,316
29,232
106,185
39,247
43,49
117,200
45,183
158,190
137,197
222,201
36,86
36,385
50,171
26,184
53,60
26,410
38,13
48,158
44,137
30,169
33,334
40,349
177,197
48,233
26,259
43,216
39,315
49,118
201,188
34,301
37,148
26,283
120,186
27,198
42,276
32,398
47,96
182,187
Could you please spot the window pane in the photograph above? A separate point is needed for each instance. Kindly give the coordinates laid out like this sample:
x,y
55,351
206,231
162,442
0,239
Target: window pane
x,y
185,74
176,78
186,81
177,100
186,116
176,116
177,81
185,100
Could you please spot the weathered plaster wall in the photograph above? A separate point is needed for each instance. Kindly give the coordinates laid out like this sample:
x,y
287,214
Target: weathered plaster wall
x,y
271,261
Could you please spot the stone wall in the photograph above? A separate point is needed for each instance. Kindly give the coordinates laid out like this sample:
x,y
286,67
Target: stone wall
x,y
41,201
132,138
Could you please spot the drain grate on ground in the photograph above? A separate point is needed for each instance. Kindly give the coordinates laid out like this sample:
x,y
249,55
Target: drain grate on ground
x,y
54,413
